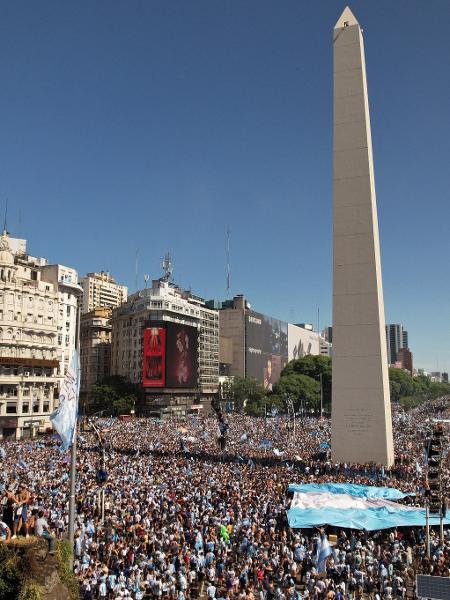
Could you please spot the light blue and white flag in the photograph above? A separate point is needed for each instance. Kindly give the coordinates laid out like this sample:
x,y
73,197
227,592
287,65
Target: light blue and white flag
x,y
323,552
352,506
64,418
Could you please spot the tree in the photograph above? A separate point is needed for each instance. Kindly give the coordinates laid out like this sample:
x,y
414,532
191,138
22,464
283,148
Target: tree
x,y
115,395
304,390
247,392
408,402
316,367
401,384
123,406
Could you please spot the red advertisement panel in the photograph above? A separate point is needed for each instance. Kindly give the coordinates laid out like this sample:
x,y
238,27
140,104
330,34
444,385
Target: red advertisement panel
x,y
154,357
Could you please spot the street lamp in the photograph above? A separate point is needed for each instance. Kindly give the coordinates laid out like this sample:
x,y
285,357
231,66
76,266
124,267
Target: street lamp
x,y
290,411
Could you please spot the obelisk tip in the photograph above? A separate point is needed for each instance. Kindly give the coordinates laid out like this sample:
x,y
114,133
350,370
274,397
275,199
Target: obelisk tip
x,y
346,19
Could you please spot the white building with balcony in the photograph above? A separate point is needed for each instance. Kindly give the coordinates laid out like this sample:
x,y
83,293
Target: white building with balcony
x,y
38,316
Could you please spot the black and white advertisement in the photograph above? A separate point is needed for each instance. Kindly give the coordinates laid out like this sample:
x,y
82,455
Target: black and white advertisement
x,y
267,348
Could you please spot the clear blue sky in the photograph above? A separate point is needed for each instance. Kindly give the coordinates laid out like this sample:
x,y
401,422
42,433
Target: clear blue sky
x,y
156,124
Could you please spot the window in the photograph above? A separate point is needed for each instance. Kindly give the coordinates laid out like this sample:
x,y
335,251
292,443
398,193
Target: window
x,y
11,408
68,310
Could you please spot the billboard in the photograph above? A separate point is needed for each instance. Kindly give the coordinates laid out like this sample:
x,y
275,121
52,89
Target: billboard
x,y
302,342
154,359
266,348
181,356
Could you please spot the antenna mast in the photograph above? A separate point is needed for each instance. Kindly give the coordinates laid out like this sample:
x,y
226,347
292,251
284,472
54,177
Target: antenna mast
x,y
6,215
136,271
167,267
228,262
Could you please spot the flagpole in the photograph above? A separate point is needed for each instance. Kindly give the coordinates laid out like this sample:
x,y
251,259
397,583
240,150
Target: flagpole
x,y
73,450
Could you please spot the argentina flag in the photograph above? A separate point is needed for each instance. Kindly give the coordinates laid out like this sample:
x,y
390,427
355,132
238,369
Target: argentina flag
x,y
323,552
64,418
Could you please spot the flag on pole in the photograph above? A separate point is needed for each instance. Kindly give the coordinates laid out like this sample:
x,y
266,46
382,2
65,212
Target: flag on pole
x,y
64,418
323,552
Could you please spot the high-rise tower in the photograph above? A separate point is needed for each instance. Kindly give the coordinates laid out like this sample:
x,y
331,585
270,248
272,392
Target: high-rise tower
x,y
361,410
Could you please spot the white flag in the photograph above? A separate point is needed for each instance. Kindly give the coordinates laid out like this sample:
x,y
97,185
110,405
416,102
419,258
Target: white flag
x,y
64,418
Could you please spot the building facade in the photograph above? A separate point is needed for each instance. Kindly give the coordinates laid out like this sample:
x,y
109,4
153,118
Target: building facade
x,y
258,346
396,338
38,315
95,351
153,308
405,360
101,289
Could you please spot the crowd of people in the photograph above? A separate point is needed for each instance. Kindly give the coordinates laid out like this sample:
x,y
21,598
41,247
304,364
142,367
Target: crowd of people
x,y
164,511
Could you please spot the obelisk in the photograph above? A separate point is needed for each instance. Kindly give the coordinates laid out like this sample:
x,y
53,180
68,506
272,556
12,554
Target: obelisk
x,y
361,409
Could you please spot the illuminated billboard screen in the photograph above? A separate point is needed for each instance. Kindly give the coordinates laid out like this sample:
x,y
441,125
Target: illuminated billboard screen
x,y
267,348
154,372
181,356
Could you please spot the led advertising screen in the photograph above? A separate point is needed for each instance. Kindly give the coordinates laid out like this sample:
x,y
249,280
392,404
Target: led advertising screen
x,y
154,372
267,348
181,356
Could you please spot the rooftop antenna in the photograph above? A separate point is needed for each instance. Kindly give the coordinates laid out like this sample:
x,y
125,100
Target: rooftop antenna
x,y
167,267
146,278
6,217
228,262
136,266
19,233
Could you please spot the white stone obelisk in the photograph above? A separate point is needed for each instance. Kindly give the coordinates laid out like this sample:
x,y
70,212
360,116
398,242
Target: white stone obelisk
x,y
361,409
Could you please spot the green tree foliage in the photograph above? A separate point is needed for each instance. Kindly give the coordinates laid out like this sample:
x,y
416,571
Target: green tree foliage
x,y
400,383
408,402
303,390
411,391
314,367
10,576
115,395
249,394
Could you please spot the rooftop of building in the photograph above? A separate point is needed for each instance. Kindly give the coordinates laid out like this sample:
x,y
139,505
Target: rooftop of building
x,y
102,276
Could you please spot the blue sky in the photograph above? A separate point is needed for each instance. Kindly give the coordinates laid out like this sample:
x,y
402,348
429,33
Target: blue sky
x,y
148,125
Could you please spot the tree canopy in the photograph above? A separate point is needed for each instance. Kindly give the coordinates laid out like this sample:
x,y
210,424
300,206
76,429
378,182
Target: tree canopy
x,y
115,395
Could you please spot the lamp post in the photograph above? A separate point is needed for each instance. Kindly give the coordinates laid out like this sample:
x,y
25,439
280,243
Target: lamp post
x,y
290,411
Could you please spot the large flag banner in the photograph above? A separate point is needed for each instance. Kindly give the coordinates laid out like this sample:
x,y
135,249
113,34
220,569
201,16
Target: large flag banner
x,y
64,418
352,506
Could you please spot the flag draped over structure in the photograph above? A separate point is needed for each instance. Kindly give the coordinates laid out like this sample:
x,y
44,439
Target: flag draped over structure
x,y
64,418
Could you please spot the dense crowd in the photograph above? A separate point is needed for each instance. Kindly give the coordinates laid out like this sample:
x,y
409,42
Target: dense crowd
x,y
184,519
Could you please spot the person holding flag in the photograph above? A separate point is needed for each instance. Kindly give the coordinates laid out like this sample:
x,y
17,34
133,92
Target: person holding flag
x,y
323,552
